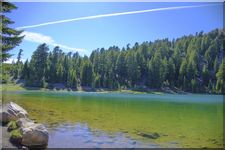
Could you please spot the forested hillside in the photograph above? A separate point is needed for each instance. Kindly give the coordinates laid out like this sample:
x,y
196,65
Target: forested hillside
x,y
191,63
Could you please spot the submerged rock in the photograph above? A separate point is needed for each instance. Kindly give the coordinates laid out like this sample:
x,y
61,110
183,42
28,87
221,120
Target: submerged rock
x,y
149,135
12,111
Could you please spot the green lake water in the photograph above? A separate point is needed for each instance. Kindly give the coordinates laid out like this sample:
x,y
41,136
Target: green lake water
x,y
80,119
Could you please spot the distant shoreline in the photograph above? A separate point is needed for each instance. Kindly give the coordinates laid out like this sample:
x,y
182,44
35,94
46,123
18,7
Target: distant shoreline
x,y
19,87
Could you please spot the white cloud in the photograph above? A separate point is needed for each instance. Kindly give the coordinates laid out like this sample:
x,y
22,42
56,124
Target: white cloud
x,y
114,14
40,38
37,37
10,60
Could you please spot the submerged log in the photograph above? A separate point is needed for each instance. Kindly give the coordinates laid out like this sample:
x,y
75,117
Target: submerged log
x,y
149,135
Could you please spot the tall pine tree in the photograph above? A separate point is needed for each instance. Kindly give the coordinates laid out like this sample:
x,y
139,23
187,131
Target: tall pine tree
x,y
10,37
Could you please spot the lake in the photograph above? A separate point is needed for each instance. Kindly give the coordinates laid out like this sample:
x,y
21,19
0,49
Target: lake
x,y
83,119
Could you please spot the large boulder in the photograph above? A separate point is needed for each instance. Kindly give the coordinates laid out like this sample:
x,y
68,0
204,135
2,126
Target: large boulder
x,y
12,111
33,135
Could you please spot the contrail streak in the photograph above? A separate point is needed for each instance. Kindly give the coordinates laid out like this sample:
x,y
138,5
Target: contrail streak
x,y
113,14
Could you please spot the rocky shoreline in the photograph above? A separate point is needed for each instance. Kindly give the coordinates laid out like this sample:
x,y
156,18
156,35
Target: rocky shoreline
x,y
5,139
18,131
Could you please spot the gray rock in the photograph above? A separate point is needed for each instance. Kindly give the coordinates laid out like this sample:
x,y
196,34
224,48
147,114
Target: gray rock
x,y
33,135
12,111
24,122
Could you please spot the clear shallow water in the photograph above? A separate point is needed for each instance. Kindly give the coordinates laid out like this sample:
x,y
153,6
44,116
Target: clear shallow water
x,y
80,136
79,119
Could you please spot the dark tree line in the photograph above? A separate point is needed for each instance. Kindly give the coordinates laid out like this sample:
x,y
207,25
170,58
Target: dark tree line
x,y
191,63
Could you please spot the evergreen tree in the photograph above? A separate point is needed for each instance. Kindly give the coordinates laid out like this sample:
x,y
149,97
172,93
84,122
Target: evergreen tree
x,y
19,56
10,37
25,71
18,65
38,66
191,63
205,75
216,64
194,85
97,81
220,75
72,79
171,72
133,70
121,69
86,73
155,76
182,74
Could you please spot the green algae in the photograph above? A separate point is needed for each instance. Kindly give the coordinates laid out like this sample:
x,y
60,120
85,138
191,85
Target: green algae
x,y
16,136
12,125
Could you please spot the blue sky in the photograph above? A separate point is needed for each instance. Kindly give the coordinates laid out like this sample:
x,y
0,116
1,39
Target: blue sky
x,y
87,35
